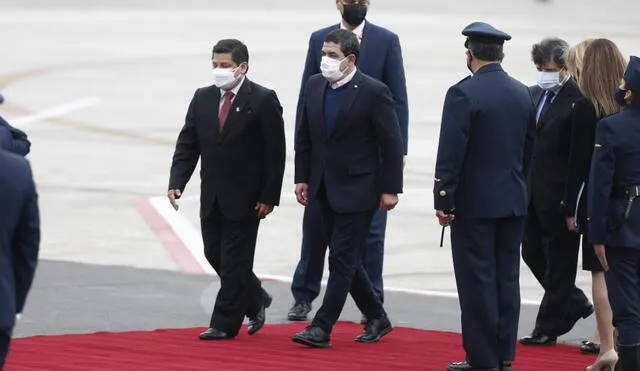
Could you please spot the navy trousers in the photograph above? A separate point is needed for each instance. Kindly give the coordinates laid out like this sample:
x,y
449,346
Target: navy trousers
x,y
308,274
486,261
623,285
5,339
348,233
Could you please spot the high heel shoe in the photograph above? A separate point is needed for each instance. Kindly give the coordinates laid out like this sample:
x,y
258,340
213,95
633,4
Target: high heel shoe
x,y
605,362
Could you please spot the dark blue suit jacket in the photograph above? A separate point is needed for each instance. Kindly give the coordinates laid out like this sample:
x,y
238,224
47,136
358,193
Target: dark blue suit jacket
x,y
348,159
380,58
615,165
12,139
19,236
486,141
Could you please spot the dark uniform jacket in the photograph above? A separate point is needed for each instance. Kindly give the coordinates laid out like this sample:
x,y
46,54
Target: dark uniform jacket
x,y
486,139
19,236
614,167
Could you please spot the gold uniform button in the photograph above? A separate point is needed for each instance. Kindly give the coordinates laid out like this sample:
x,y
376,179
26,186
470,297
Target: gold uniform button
x,y
443,193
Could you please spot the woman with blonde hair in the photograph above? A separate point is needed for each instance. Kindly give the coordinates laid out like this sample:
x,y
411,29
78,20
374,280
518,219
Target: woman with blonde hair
x,y
602,70
573,58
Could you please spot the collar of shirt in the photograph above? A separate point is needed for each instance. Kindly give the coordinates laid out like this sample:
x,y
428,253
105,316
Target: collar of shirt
x,y
345,80
358,30
234,90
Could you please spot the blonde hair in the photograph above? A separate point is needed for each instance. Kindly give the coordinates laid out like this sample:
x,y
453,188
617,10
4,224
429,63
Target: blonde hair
x,y
573,58
602,70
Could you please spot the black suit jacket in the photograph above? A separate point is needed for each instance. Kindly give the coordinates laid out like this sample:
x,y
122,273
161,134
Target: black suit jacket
x,y
583,134
241,165
551,148
362,157
19,236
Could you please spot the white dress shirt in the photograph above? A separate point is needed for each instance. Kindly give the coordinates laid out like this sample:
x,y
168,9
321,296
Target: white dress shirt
x,y
234,91
345,80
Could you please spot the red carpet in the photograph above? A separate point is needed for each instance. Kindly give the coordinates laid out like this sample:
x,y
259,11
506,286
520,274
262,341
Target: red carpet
x,y
271,349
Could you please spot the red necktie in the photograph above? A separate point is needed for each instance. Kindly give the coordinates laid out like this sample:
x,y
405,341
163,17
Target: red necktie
x,y
226,107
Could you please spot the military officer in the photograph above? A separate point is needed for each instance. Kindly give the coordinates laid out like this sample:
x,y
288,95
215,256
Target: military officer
x,y
614,217
486,139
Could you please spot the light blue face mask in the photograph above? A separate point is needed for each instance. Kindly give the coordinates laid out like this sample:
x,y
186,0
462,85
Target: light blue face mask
x,y
548,80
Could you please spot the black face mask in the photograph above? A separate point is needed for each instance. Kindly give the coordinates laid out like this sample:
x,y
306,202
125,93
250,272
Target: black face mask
x,y
469,64
354,14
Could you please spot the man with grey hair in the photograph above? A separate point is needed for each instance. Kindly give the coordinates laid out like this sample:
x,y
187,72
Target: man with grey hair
x,y
549,248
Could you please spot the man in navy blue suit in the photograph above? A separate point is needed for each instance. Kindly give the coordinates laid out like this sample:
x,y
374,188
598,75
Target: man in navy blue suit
x,y
480,189
12,139
348,164
381,58
19,241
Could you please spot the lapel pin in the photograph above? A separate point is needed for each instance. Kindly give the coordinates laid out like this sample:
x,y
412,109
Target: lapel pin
x,y
355,86
237,109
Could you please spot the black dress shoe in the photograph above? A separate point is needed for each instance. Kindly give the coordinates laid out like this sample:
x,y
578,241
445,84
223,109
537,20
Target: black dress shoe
x,y
299,311
214,334
506,366
375,330
256,322
466,366
538,340
313,336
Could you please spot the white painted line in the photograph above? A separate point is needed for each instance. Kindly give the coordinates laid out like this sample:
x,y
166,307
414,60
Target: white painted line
x,y
56,111
192,239
184,229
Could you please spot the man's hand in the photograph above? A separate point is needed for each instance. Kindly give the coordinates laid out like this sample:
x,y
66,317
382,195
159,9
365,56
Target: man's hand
x,y
302,193
388,201
444,219
263,210
174,194
571,224
602,255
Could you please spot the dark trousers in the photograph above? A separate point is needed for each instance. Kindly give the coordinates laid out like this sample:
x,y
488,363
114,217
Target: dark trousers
x,y
551,252
308,274
5,339
229,246
486,261
346,273
623,285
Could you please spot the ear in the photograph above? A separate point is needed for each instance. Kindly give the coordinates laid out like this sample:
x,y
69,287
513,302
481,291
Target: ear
x,y
353,58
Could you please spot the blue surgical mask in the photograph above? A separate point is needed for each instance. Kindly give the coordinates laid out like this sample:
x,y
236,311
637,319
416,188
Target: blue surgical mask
x,y
620,93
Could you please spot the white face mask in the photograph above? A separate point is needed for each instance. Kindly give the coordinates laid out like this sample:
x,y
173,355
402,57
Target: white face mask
x,y
548,80
224,78
331,68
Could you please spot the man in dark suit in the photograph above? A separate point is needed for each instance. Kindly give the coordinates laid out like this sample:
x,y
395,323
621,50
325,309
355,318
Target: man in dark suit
x,y
236,128
381,58
486,139
19,241
348,164
12,139
549,248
